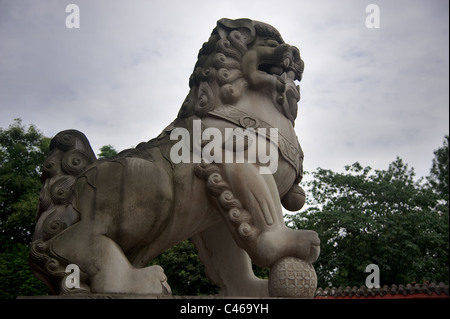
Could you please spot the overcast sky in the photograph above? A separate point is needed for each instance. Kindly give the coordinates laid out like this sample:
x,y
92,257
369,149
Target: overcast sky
x,y
368,94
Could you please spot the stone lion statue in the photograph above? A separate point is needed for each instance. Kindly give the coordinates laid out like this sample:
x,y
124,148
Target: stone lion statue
x,y
111,217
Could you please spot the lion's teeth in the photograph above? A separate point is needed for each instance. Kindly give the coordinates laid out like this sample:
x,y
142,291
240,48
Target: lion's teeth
x,y
276,70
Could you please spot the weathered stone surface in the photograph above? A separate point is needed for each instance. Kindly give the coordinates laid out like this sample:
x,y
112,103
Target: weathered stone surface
x,y
111,217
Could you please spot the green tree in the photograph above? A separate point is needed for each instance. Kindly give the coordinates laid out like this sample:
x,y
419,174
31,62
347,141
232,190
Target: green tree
x,y
22,152
16,278
439,174
106,151
383,217
438,182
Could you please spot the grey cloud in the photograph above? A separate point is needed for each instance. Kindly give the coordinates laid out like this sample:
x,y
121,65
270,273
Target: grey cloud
x,y
367,95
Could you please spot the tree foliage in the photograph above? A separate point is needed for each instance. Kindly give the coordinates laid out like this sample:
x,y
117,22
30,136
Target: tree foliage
x,y
16,278
22,152
106,151
439,175
381,217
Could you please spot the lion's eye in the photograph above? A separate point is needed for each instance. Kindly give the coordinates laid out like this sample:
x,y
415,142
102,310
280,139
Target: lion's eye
x,y
271,43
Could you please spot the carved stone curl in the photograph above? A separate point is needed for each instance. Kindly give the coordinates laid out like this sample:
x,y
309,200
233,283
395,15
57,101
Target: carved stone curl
x,y
229,205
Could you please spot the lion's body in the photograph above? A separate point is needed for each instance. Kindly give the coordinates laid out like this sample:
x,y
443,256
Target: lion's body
x,y
114,216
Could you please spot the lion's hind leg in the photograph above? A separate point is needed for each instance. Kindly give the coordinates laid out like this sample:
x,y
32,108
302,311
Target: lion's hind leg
x,y
111,223
107,268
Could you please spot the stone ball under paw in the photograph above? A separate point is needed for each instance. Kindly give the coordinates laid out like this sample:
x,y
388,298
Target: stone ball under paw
x,y
291,277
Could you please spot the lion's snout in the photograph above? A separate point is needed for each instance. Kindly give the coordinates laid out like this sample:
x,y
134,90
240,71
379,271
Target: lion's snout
x,y
281,59
290,59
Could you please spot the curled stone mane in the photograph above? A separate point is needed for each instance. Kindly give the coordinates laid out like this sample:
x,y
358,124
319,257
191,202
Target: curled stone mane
x,y
217,78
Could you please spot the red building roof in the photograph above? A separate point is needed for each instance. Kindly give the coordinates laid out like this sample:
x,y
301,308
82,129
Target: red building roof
x,y
410,291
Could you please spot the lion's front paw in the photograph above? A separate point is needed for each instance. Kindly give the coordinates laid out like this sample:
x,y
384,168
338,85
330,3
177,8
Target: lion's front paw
x,y
309,245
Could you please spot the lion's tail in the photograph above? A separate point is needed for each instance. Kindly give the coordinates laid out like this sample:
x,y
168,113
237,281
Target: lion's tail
x,y
70,154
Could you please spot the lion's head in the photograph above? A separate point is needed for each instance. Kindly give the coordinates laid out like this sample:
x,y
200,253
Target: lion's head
x,y
245,76
243,55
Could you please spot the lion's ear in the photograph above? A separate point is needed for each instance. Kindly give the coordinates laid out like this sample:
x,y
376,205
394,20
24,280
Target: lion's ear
x,y
244,26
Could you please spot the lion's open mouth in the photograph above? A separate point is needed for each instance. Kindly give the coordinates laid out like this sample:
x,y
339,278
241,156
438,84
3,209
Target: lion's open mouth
x,y
283,59
287,71
279,69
